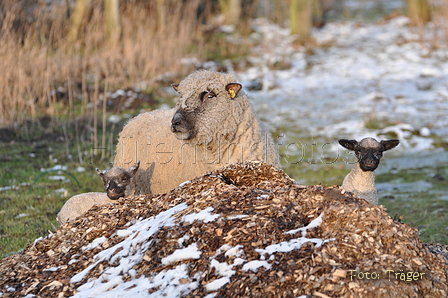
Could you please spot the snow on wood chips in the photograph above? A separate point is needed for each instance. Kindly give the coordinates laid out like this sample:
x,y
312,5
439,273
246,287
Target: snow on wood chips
x,y
243,231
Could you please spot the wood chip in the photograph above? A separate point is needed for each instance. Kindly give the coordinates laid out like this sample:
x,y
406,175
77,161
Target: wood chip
x,y
354,242
340,273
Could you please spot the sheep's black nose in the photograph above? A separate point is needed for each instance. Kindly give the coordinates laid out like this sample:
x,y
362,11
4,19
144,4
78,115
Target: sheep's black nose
x,y
176,124
179,123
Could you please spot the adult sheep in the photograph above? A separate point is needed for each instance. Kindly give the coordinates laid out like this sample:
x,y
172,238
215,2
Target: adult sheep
x,y
212,125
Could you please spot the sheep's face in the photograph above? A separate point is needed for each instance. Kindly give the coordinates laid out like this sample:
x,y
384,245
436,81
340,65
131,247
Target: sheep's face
x,y
117,180
208,101
369,151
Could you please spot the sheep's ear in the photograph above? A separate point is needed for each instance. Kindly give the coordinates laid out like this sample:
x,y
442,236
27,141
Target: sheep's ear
x,y
175,86
100,172
389,144
233,89
349,144
133,169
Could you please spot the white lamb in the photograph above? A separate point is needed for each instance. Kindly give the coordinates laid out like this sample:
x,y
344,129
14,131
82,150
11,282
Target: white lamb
x,y
117,182
212,125
361,179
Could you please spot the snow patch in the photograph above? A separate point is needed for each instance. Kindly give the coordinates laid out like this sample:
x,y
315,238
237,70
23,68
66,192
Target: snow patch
x,y
204,215
184,183
95,243
223,268
287,246
217,284
190,252
313,224
254,265
169,283
124,255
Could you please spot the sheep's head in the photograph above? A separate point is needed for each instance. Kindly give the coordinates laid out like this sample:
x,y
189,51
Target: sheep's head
x,y
369,151
208,100
116,180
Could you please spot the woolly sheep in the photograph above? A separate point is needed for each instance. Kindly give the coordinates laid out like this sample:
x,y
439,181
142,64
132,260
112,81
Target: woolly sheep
x,y
212,125
361,179
117,182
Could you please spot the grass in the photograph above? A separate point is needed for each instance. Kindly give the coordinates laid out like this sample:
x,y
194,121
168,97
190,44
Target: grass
x,y
29,210
312,160
424,209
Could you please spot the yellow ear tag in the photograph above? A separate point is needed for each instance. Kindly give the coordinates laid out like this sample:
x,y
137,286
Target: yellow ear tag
x,y
232,93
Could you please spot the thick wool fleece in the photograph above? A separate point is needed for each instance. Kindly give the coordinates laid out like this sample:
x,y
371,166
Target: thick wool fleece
x,y
80,204
362,183
226,131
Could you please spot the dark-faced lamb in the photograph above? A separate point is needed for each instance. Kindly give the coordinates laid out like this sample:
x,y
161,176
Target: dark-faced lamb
x,y
117,183
361,179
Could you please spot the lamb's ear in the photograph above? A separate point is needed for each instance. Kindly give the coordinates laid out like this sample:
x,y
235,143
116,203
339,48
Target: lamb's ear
x,y
389,144
133,169
100,172
233,89
349,144
175,86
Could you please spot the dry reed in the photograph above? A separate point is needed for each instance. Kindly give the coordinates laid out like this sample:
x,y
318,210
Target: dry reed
x,y
37,56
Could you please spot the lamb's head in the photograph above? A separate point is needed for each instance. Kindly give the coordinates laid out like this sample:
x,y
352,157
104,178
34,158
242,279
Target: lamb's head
x,y
208,101
117,180
369,151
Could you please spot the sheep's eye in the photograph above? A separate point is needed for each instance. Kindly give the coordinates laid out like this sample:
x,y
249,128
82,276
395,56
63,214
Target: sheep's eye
x,y
124,180
207,95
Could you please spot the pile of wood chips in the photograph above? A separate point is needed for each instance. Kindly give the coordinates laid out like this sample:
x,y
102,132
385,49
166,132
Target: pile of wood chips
x,y
364,253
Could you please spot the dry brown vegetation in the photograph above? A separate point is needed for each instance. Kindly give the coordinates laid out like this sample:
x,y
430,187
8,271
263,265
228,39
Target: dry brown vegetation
x,y
37,57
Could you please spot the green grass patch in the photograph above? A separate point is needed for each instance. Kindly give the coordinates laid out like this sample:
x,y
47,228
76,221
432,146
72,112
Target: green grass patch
x,y
421,197
313,161
30,198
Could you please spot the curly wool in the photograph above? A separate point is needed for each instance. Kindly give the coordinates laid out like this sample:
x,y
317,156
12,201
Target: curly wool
x,y
234,115
362,184
226,131
80,204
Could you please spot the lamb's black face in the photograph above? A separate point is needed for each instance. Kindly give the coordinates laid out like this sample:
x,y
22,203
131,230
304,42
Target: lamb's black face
x,y
116,188
369,151
369,158
116,180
